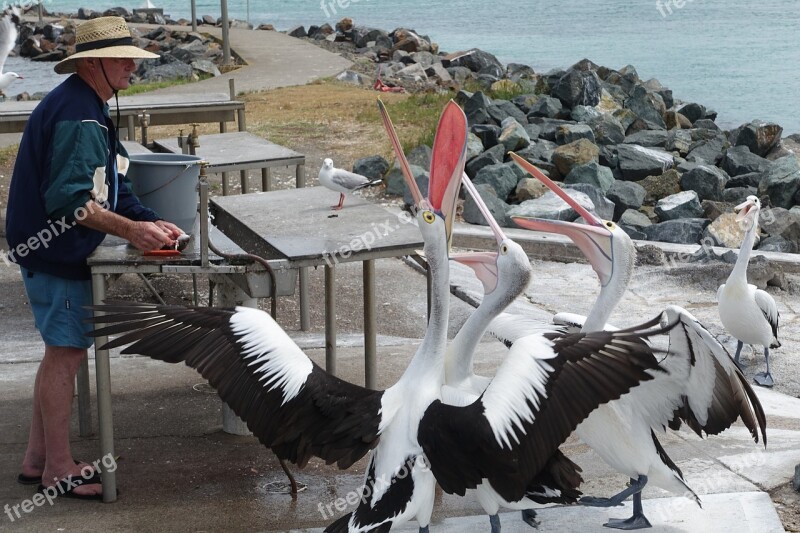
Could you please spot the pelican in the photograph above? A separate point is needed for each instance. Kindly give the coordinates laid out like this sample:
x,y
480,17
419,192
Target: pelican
x,y
8,39
342,181
749,314
300,411
703,387
504,273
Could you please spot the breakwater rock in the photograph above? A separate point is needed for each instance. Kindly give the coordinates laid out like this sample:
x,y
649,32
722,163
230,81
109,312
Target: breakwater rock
x,y
627,148
183,54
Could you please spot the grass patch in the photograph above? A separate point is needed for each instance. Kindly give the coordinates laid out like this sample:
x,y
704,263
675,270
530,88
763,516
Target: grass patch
x,y
152,86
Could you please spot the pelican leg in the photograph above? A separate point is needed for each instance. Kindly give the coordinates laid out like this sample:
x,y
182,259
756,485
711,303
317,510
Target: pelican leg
x,y
739,345
636,521
494,522
765,378
635,486
529,517
340,204
424,530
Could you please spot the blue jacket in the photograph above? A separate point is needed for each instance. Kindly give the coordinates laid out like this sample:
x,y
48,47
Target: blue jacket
x,y
69,154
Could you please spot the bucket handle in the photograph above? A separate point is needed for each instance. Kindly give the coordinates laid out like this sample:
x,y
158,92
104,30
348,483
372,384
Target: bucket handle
x,y
176,176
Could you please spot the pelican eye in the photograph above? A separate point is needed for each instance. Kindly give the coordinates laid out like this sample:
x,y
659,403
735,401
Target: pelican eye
x,y
428,217
504,249
609,224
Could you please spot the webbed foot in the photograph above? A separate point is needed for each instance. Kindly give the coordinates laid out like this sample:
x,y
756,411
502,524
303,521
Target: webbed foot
x,y
529,517
764,379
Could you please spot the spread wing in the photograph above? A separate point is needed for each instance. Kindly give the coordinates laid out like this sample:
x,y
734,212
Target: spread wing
x,y
292,405
541,392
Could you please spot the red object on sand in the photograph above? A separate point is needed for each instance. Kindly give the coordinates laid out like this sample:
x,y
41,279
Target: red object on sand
x,y
380,86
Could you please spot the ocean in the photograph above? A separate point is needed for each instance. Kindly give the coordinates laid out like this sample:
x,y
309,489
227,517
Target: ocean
x,y
740,58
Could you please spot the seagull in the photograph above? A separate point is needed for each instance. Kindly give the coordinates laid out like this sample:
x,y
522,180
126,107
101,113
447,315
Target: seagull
x,y
703,387
8,39
748,313
342,181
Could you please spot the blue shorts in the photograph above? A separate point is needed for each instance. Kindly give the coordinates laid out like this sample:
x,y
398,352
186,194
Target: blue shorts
x,y
58,308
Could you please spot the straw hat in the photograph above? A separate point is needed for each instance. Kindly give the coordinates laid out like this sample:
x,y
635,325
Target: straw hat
x,y
103,37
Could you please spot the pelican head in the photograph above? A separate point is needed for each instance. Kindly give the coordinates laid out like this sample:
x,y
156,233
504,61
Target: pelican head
x,y
747,212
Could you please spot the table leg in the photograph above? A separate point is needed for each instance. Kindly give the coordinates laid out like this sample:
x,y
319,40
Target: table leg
x,y
265,181
370,325
305,317
131,128
104,413
330,319
224,184
245,178
84,400
300,176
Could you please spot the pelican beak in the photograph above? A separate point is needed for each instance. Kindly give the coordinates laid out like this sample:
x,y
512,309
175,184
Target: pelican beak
x,y
448,157
419,200
594,239
484,264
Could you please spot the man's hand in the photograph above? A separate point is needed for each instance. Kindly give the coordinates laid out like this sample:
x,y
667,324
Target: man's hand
x,y
169,228
148,236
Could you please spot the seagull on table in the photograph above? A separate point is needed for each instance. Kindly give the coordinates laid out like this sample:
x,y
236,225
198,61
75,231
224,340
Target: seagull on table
x,y
342,181
8,39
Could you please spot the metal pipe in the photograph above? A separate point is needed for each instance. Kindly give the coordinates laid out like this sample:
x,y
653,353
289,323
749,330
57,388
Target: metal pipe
x,y
370,325
203,190
330,319
226,43
194,16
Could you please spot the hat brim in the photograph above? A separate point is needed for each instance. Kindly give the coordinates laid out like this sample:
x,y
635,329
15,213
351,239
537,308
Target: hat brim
x,y
67,65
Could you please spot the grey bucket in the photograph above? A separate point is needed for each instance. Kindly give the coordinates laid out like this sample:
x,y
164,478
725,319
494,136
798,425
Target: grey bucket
x,y
167,184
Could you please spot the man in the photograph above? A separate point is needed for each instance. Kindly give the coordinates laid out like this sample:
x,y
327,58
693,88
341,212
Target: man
x,y
67,191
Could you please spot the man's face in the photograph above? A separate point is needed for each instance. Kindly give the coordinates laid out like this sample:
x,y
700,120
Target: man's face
x,y
118,71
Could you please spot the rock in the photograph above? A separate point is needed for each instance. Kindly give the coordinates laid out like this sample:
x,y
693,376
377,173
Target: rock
x,y
674,120
781,182
546,106
410,41
497,207
607,129
684,231
705,180
420,156
626,195
632,219
489,134
582,113
658,187
501,177
552,207
706,124
503,109
474,59
413,73
572,132
751,179
576,153
460,74
649,254
603,207
707,151
578,88
492,156
206,66
593,174
779,222
296,31
648,138
713,210
693,112
737,195
396,185
439,72
474,146
679,141
796,480
647,107
541,150
548,126
477,108
739,160
637,162
373,167
684,204
513,136
777,244
759,137
362,35
725,231
529,188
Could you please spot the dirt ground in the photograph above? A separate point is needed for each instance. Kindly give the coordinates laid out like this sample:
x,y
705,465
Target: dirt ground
x,y
319,120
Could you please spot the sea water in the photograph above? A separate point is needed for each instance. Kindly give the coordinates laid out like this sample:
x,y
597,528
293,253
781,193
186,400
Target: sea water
x,y
740,58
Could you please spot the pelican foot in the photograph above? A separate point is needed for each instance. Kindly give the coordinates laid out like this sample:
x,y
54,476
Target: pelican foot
x,y
494,522
424,530
634,522
764,379
529,517
592,501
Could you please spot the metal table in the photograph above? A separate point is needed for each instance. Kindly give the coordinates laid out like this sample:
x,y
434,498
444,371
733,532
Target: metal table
x,y
116,257
299,226
242,151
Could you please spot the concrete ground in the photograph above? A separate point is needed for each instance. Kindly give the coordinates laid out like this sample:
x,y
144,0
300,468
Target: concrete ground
x,y
178,472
